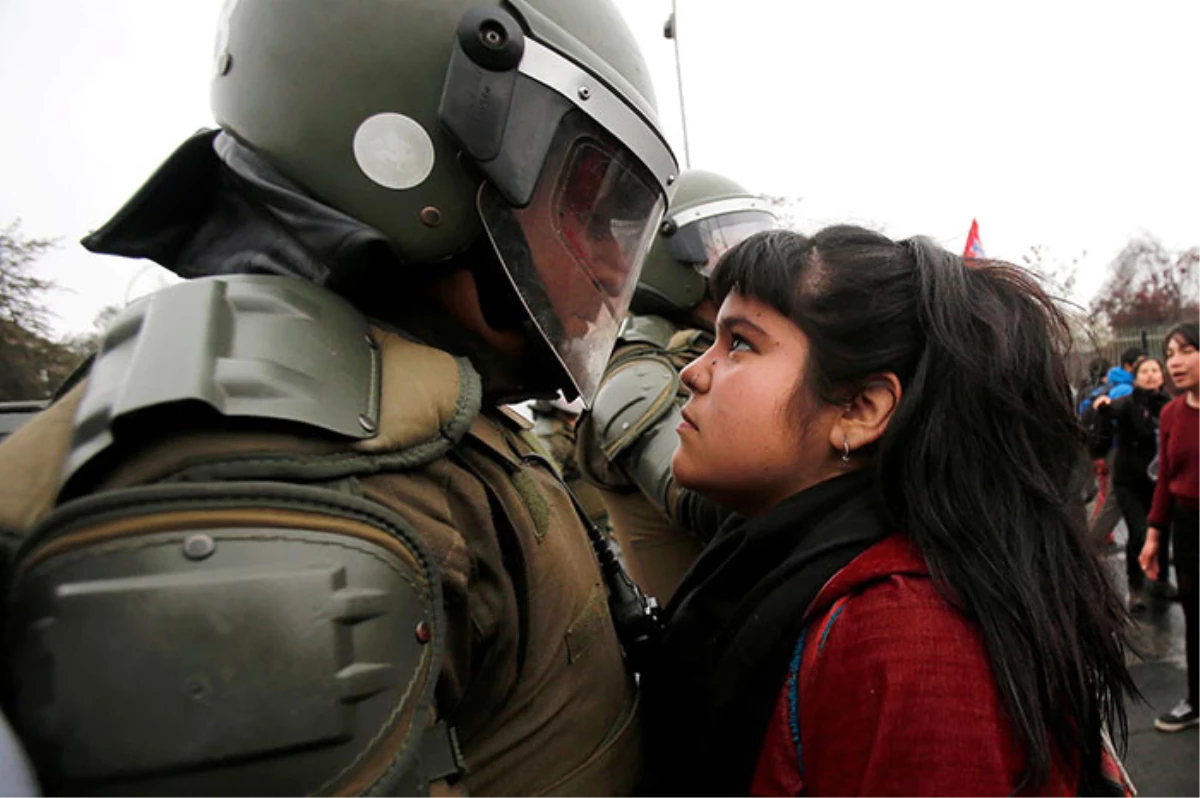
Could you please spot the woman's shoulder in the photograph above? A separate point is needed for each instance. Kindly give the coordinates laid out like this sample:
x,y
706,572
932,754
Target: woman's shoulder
x,y
926,710
895,616
885,612
894,555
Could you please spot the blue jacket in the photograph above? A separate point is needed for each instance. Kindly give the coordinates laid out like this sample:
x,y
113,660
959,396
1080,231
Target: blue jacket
x,y
1121,382
1117,383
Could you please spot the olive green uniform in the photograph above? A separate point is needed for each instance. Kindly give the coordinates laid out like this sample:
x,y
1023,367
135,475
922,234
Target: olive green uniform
x,y
527,626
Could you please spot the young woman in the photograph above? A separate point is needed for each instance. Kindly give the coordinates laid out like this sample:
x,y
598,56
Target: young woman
x,y
1176,498
905,602
1135,418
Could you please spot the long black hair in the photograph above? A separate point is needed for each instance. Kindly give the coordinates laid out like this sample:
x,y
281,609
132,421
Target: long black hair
x,y
977,463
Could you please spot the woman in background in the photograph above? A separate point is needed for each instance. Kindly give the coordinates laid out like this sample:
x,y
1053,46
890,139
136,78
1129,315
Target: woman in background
x,y
1135,419
1176,499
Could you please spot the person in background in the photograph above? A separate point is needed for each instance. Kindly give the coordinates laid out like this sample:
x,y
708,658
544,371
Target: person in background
x,y
626,442
905,602
1106,512
1176,499
1097,368
1135,419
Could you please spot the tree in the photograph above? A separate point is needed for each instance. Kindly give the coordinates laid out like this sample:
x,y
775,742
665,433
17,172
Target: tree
x,y
1060,277
21,292
1058,274
31,364
1149,285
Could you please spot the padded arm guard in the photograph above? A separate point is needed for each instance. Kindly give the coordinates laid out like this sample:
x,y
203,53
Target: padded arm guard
x,y
227,639
635,415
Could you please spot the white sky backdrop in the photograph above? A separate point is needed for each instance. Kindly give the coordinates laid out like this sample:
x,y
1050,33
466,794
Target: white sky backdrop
x,y
1068,125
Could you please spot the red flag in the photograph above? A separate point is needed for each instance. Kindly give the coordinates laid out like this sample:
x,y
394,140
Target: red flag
x,y
974,247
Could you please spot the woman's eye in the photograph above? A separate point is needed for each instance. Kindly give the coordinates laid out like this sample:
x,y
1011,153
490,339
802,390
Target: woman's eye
x,y
739,344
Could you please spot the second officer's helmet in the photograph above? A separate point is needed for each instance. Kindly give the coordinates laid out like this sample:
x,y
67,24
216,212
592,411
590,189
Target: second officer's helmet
x,y
437,121
709,214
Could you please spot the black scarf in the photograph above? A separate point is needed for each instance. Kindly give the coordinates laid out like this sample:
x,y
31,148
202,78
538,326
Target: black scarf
x,y
731,629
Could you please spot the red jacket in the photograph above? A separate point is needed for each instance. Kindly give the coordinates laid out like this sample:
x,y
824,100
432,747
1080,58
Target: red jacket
x,y
893,695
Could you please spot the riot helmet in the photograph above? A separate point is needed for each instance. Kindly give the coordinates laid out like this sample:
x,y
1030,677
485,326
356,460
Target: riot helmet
x,y
709,215
435,122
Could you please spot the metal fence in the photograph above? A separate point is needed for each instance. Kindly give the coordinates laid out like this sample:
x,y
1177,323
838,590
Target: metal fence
x,y
1148,339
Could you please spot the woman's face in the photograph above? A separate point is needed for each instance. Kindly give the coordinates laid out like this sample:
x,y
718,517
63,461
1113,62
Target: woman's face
x,y
1149,376
745,442
1183,361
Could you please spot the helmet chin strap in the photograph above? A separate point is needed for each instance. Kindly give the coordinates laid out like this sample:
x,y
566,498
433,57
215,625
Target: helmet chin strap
x,y
502,308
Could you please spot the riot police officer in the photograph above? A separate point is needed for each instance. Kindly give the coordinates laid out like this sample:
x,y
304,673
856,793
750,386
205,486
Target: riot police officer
x,y
625,445
281,540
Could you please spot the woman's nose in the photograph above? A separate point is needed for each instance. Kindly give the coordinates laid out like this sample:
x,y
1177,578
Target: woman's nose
x,y
697,374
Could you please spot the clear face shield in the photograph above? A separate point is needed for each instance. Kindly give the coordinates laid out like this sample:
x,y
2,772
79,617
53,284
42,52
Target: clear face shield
x,y
704,233
577,184
575,251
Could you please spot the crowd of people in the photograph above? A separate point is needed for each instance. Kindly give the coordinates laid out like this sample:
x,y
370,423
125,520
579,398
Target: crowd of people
x,y
287,536
1146,464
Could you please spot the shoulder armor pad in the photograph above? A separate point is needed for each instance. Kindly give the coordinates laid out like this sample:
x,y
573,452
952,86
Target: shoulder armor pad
x,y
256,346
635,394
653,330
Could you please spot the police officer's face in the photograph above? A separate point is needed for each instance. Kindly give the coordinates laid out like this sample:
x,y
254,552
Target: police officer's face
x,y
746,441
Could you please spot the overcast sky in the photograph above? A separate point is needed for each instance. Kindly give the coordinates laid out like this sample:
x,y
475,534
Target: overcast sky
x,y
1072,126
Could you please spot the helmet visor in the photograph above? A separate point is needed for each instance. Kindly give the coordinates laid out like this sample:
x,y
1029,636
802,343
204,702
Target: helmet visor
x,y
575,251
703,242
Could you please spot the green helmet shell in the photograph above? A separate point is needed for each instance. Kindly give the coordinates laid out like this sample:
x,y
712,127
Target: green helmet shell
x,y
668,284
310,84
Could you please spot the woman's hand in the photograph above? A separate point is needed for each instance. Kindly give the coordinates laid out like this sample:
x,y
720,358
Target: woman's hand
x,y
1148,558
1101,401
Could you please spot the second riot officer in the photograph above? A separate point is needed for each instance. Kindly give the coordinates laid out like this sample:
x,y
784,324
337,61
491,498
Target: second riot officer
x,y
281,540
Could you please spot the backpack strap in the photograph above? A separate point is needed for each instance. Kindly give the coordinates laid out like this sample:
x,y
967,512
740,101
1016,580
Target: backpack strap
x,y
798,675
